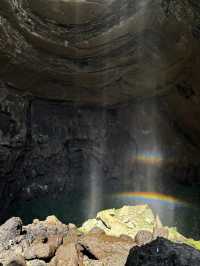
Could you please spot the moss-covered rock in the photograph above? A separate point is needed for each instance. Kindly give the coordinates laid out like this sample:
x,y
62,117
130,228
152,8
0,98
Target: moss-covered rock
x,y
129,220
125,221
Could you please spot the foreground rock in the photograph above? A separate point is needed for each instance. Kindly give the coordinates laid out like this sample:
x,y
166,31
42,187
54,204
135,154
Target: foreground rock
x,y
137,222
163,252
106,240
9,231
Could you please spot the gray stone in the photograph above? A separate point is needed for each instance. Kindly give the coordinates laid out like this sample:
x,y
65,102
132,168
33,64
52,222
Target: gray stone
x,y
10,230
36,263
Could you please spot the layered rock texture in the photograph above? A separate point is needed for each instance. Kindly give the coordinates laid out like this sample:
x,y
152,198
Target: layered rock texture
x,y
101,51
112,241
89,87
50,149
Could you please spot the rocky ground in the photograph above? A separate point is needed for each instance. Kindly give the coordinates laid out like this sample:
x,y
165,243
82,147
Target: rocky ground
x,y
127,236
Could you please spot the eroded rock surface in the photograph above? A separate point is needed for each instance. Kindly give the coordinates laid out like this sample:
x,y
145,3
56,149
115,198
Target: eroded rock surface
x,y
101,52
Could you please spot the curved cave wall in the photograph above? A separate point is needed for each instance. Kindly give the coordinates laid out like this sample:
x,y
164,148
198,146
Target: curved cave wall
x,y
51,150
97,97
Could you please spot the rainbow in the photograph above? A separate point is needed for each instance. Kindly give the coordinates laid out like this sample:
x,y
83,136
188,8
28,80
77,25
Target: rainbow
x,y
153,157
154,196
150,157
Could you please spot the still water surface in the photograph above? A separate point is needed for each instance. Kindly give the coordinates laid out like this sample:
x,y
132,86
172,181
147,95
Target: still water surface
x,y
181,209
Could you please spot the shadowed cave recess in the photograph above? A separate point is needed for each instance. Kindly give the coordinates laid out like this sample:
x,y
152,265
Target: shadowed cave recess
x,y
100,104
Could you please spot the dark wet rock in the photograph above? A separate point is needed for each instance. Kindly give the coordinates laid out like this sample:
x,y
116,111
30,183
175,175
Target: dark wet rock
x,y
162,252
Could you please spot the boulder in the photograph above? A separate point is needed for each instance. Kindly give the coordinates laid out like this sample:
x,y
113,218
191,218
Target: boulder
x,y
99,245
39,251
162,252
10,230
127,220
68,255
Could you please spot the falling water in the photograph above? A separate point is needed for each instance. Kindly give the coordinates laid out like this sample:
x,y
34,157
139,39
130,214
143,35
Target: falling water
x,y
128,70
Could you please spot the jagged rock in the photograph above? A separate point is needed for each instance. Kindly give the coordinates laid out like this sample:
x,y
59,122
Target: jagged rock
x,y
162,252
101,247
52,243
55,241
137,222
125,221
46,229
53,220
10,230
68,255
39,251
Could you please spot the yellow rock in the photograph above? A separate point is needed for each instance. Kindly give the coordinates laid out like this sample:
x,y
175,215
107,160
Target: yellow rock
x,y
193,243
125,221
129,220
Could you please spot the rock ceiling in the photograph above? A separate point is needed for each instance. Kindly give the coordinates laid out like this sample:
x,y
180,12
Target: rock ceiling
x,y
106,51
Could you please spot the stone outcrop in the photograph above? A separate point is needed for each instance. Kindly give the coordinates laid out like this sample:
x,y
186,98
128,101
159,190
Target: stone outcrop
x,y
112,241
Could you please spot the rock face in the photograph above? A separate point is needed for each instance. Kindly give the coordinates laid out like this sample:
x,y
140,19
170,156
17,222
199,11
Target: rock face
x,y
49,149
89,87
162,252
100,52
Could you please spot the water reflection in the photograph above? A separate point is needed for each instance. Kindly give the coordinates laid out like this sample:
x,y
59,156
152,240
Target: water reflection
x,y
181,210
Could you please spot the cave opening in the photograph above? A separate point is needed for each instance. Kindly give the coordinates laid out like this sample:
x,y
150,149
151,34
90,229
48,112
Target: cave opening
x,y
99,108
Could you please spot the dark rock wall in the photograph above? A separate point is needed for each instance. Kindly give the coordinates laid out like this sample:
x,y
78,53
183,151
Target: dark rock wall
x,y
54,148
75,50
